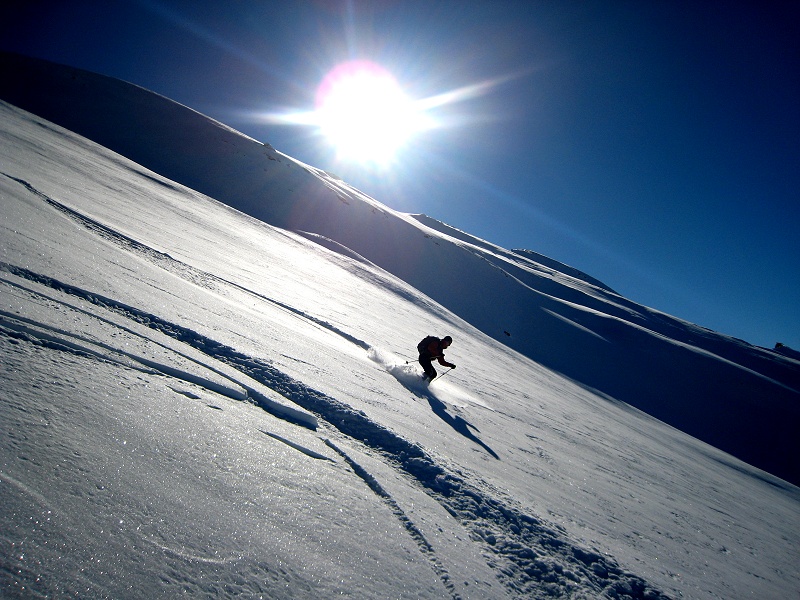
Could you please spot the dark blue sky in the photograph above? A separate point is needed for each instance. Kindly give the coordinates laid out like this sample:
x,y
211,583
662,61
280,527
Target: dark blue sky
x,y
654,145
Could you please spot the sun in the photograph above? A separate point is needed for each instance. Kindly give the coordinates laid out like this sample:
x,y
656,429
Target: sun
x,y
363,113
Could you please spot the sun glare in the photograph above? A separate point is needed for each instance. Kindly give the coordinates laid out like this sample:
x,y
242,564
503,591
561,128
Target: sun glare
x,y
364,114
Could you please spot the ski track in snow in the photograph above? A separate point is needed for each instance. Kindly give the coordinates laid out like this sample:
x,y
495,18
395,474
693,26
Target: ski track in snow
x,y
423,544
176,267
530,557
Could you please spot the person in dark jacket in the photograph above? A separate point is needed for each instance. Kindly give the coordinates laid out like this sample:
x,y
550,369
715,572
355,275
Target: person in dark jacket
x,y
432,347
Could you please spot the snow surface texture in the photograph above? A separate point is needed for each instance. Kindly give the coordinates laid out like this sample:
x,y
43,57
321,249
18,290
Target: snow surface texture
x,y
195,401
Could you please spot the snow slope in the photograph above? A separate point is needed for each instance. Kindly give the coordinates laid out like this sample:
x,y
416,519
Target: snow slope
x,y
198,401
735,396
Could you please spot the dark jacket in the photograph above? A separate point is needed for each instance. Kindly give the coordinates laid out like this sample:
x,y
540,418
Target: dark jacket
x,y
434,350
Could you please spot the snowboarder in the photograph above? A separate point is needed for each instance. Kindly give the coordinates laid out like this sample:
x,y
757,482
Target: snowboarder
x,y
432,347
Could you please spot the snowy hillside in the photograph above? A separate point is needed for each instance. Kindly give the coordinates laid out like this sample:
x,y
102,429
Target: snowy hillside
x,y
205,389
559,317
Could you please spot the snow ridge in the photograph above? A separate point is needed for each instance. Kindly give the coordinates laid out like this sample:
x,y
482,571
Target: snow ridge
x,y
37,333
171,330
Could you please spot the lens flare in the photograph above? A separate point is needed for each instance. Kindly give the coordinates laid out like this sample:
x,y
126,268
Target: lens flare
x,y
364,114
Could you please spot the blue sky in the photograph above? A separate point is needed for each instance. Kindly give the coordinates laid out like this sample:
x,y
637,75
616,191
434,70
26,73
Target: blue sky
x,y
653,145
